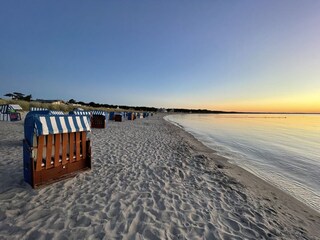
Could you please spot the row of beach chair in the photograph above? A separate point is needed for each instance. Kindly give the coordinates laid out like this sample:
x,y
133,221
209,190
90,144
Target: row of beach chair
x,y
57,145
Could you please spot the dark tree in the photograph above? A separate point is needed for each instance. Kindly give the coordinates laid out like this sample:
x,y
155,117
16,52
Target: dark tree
x,y
72,101
27,98
9,95
92,104
18,95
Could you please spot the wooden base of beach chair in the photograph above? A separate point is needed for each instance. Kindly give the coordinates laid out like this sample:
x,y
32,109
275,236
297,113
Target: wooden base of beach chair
x,y
118,118
72,154
98,121
48,176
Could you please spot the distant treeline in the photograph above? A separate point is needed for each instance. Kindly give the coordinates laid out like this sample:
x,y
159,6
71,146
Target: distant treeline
x,y
183,110
142,108
145,109
103,105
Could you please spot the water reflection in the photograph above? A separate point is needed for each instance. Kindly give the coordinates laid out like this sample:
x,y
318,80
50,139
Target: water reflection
x,y
282,149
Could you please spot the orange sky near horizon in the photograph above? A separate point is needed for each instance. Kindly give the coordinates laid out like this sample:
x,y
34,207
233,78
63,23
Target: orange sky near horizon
x,y
309,103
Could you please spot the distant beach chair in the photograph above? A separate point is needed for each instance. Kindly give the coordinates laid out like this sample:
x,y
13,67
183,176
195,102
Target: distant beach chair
x,y
124,115
145,114
118,117
97,119
135,115
131,116
55,146
9,112
139,115
111,116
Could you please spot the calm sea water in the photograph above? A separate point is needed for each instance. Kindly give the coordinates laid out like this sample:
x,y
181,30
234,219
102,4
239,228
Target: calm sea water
x,y
281,149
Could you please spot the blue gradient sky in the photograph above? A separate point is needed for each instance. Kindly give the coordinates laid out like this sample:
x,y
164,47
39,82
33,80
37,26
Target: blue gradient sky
x,y
227,55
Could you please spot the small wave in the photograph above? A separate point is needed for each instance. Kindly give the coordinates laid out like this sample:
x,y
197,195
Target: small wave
x,y
173,122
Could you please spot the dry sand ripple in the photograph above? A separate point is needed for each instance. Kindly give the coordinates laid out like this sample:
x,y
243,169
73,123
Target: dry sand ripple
x,y
150,180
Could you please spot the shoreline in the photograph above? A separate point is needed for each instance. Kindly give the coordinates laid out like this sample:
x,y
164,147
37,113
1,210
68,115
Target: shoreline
x,y
233,162
265,192
152,180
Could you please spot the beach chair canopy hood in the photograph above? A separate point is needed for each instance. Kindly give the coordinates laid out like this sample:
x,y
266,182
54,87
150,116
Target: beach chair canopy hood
x,y
84,113
6,108
44,124
97,112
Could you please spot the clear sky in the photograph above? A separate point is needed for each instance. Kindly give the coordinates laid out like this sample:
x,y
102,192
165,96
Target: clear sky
x,y
223,55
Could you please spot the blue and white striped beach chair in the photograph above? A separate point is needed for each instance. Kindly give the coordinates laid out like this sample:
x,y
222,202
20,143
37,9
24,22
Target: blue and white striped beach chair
x,y
55,146
8,112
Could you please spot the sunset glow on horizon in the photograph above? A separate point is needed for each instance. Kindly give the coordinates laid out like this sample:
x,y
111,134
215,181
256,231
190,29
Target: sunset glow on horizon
x,y
310,103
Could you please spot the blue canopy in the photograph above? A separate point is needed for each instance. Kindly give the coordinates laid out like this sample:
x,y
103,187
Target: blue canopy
x,y
84,113
38,109
88,113
45,124
96,112
45,111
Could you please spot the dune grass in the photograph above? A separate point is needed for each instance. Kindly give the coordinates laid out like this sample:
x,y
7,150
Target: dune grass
x,y
25,105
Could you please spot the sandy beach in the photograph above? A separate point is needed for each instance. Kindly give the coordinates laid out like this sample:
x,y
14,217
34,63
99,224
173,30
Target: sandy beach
x,y
149,180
